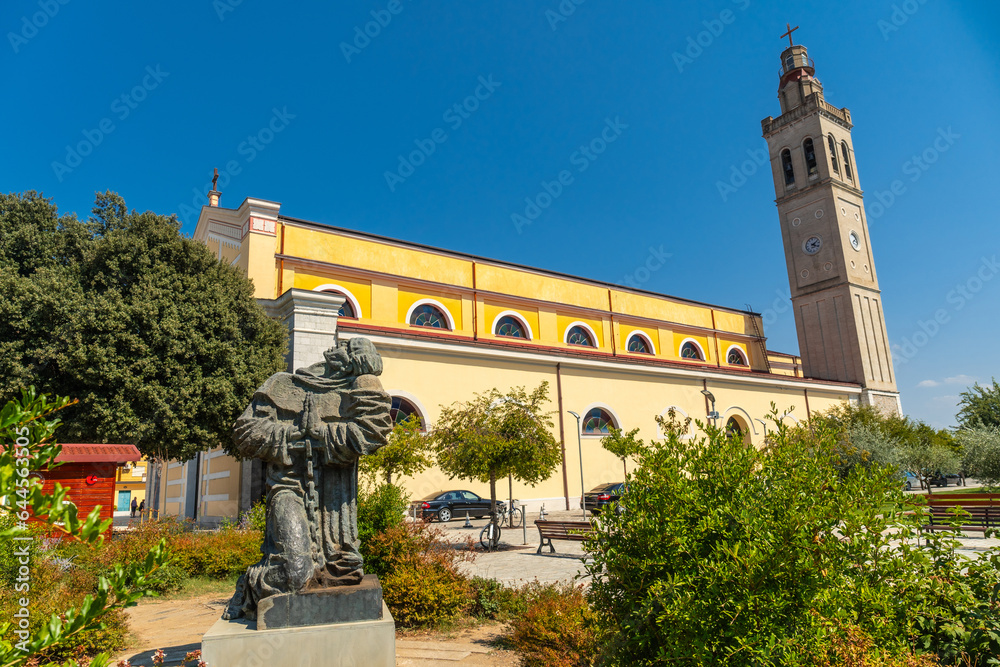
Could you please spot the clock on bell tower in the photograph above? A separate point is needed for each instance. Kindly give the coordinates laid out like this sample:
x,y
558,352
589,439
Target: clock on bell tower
x,y
831,269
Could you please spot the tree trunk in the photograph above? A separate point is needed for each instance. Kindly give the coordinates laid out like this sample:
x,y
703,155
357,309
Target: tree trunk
x,y
388,477
625,465
493,502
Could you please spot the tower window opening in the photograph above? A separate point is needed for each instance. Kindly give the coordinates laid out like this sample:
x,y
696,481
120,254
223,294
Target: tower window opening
x,y
847,160
786,166
789,63
833,154
810,151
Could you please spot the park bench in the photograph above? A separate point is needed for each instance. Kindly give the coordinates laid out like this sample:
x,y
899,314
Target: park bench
x,y
577,531
983,512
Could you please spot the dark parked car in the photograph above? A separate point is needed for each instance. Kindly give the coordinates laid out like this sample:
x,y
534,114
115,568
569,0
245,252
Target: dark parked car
x,y
603,495
949,479
444,505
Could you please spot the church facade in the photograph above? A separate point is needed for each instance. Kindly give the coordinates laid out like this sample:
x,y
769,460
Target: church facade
x,y
449,324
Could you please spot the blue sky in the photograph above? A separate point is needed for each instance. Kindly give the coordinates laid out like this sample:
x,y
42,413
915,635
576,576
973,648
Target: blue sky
x,y
160,94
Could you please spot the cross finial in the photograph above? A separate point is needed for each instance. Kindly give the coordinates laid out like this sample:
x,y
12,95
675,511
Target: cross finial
x,y
215,178
789,33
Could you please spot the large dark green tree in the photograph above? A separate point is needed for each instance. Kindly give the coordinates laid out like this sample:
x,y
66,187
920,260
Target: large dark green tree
x,y
161,342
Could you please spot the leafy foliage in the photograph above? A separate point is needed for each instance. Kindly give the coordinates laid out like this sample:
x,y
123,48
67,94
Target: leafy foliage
x,y
162,343
730,555
498,434
555,628
623,445
981,445
27,430
379,509
980,406
405,454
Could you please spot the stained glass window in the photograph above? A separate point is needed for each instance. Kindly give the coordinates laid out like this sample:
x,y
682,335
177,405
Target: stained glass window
x,y
637,343
736,358
597,422
402,410
428,316
579,336
690,351
510,326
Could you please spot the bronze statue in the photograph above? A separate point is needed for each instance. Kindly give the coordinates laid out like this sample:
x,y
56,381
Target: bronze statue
x,y
310,428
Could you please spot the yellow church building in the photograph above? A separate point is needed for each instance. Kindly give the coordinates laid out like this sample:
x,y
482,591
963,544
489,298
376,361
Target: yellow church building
x,y
449,324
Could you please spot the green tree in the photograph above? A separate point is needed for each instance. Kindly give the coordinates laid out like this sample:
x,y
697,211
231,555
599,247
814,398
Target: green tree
x,y
926,460
623,445
980,405
734,555
405,454
162,343
498,434
27,428
981,458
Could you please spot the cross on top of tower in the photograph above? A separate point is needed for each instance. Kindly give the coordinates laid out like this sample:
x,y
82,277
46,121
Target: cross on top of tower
x,y
789,33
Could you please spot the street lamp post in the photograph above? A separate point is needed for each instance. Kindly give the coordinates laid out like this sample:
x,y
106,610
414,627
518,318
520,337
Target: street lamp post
x,y
713,415
579,444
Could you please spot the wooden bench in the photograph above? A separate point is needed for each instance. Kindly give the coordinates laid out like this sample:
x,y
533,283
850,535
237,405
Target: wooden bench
x,y
983,511
577,531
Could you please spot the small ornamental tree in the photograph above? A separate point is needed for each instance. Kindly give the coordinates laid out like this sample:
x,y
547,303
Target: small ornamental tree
x,y
981,453
623,445
27,428
926,460
406,454
498,434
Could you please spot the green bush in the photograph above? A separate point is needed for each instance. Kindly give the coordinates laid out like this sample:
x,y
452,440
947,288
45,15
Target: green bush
x,y
555,628
421,582
491,600
379,509
255,518
168,579
730,555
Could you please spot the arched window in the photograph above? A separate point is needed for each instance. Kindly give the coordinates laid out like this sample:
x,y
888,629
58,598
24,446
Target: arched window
x,y
847,161
346,310
598,421
786,167
512,327
351,307
402,410
735,428
810,152
578,335
736,357
427,315
833,154
639,344
690,350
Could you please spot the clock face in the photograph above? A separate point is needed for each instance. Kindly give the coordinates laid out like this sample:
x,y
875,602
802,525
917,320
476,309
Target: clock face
x,y
812,245
855,241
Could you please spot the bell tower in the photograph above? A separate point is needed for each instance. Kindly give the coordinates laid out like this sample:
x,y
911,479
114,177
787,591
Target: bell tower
x,y
831,268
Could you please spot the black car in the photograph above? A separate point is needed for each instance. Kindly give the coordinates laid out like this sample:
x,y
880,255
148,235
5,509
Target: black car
x,y
946,480
603,495
444,505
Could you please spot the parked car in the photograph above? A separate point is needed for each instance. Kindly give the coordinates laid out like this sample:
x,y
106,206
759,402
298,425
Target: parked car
x,y
946,480
603,495
443,505
911,481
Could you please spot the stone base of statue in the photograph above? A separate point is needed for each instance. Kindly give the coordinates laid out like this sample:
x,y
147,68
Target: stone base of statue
x,y
338,625
240,643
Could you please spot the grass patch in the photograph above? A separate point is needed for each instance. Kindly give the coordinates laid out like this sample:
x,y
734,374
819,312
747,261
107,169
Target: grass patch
x,y
192,587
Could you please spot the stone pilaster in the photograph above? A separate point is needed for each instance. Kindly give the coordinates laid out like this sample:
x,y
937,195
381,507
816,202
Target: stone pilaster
x,y
311,318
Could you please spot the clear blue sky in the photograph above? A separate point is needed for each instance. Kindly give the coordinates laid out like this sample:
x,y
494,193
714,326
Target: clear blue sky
x,y
211,76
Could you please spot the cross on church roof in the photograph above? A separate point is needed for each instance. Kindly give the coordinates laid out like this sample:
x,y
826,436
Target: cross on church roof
x,y
789,33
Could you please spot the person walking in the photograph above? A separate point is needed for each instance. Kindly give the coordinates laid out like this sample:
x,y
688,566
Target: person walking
x,y
142,506
135,506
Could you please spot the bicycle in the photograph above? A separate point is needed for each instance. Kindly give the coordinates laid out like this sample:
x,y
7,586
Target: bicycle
x,y
489,538
512,518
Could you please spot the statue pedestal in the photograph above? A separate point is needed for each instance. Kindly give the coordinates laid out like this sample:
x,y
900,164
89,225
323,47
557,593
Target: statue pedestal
x,y
359,644
336,604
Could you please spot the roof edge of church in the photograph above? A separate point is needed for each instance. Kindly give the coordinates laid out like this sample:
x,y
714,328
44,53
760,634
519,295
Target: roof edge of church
x,y
502,262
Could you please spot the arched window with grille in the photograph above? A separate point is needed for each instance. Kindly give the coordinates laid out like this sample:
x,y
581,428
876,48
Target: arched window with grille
x,y
597,421
638,343
810,152
580,335
691,350
429,315
735,357
351,308
786,167
833,154
511,325
847,160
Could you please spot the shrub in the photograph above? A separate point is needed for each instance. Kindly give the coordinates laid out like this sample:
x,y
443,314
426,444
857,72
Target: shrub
x,y
379,509
255,518
555,629
167,579
730,555
421,582
491,600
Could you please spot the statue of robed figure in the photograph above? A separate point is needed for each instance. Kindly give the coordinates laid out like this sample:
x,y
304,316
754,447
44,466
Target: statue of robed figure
x,y
310,428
